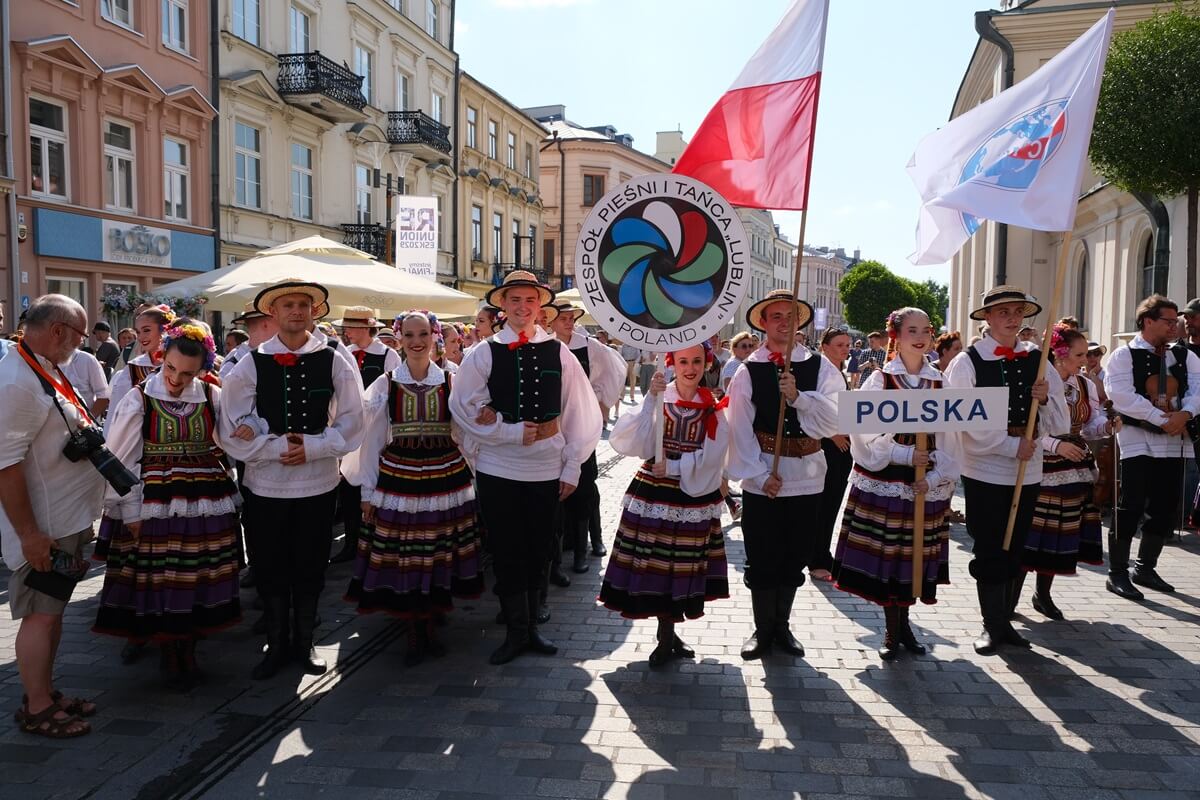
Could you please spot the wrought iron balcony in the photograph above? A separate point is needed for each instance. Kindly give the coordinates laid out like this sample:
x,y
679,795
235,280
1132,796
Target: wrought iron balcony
x,y
500,270
321,86
417,128
370,237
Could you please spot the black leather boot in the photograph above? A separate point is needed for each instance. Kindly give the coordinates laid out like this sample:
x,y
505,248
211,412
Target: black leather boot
x,y
1118,570
891,644
515,608
1043,603
904,633
783,614
759,644
305,614
580,535
536,642
597,532
1015,586
665,652
993,607
1143,569
557,576
349,549
275,610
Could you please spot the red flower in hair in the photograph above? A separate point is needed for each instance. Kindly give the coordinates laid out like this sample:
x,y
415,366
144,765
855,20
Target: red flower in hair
x,y
286,359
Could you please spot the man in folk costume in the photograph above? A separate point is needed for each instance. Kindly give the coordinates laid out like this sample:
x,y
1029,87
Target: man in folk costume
x,y
258,326
990,459
373,358
303,403
1154,441
778,508
528,460
606,372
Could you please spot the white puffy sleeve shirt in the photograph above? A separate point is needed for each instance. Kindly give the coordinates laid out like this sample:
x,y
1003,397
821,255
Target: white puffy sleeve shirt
x,y
699,472
606,369
1118,383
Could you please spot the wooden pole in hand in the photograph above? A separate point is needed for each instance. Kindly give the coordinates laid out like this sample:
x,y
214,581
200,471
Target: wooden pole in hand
x,y
1052,312
787,356
918,543
660,419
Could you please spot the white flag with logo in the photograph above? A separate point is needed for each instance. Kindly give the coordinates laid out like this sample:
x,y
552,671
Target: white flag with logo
x,y
1017,159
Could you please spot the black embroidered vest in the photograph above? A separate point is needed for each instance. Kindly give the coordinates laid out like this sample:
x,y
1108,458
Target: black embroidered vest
x,y
372,367
764,393
295,399
581,355
1018,376
1147,363
526,382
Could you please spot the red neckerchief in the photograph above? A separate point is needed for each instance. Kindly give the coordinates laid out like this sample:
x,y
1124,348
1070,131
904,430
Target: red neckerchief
x,y
1008,354
156,358
522,338
286,359
775,358
360,356
709,406
212,379
64,388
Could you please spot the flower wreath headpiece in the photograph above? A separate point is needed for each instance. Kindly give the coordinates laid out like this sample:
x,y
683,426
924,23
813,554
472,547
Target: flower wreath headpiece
x,y
708,354
1058,343
435,327
198,333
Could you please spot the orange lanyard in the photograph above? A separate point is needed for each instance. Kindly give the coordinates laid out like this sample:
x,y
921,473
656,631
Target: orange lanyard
x,y
64,388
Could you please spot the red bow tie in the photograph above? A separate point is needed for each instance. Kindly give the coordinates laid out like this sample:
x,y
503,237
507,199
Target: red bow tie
x,y
775,358
286,359
708,406
1008,354
360,356
522,338
156,357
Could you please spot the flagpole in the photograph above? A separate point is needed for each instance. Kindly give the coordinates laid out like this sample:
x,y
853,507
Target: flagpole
x,y
1059,279
787,357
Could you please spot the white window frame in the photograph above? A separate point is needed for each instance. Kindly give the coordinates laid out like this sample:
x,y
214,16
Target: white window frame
x,y
246,155
301,173
83,287
493,133
437,105
241,18
120,320
532,245
294,46
510,158
362,53
398,5
177,181
363,191
51,135
529,160
498,237
476,233
432,12
403,85
119,154
111,11
174,12
516,243
472,128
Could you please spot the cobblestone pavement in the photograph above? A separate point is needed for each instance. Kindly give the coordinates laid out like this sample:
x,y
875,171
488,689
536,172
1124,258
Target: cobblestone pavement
x,y
1106,705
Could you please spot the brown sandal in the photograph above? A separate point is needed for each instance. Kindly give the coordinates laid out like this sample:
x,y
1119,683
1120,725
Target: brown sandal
x,y
45,723
77,706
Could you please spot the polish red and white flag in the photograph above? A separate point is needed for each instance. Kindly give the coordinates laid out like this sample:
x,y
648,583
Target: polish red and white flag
x,y
755,145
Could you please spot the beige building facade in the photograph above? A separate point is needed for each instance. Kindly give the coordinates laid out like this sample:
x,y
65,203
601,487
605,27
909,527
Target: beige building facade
x,y
578,165
821,273
500,205
322,101
1115,258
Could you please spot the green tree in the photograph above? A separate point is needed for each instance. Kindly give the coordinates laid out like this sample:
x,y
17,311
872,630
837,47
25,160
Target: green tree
x,y
1147,132
870,291
929,298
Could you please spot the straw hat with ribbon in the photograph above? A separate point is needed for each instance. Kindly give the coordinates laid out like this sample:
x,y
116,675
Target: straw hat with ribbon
x,y
248,313
358,317
519,277
1006,294
316,291
804,312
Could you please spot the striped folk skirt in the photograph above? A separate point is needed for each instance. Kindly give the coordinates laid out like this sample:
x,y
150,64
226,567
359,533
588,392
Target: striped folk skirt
x,y
179,578
669,554
1066,525
875,547
424,549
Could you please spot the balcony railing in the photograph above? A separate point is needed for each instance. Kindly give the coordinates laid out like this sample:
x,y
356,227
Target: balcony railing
x,y
500,270
369,237
313,73
417,127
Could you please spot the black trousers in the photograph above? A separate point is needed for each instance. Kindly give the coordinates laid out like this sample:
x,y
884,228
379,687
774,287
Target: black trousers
x,y
350,501
778,536
987,519
1149,486
837,475
521,518
578,507
289,540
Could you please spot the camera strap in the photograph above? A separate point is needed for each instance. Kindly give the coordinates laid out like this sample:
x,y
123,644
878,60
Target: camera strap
x,y
54,388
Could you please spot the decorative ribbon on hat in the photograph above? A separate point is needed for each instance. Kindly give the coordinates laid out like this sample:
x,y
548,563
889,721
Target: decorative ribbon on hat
x,y
1008,354
708,406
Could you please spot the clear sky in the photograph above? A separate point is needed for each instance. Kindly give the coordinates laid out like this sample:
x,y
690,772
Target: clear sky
x,y
892,69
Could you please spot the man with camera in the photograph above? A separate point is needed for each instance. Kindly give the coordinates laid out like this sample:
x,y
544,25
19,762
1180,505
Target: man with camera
x,y
49,496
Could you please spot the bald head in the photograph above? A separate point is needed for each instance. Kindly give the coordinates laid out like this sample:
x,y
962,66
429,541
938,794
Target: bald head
x,y
54,326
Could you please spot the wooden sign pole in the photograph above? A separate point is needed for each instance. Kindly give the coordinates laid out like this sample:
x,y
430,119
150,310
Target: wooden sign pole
x,y
787,357
918,543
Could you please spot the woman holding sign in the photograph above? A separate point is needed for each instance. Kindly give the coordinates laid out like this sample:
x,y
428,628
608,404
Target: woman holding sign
x,y
1066,524
874,558
669,555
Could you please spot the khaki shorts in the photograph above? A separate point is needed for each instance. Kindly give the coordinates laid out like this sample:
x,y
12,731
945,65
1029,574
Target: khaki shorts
x,y
23,601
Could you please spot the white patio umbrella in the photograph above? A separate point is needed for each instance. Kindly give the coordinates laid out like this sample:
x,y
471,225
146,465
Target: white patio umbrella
x,y
352,277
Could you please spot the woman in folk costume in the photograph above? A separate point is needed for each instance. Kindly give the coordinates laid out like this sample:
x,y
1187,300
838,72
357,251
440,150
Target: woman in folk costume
x,y
149,325
172,571
1066,524
669,554
874,557
417,489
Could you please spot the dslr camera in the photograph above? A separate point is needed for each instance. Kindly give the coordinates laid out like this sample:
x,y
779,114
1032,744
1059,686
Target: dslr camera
x,y
87,442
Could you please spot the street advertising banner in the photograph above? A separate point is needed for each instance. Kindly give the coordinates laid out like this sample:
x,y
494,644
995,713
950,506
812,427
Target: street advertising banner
x,y
417,236
820,319
662,262
923,410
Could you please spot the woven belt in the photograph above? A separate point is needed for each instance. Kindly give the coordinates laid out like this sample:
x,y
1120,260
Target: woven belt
x,y
546,429
1019,431
791,448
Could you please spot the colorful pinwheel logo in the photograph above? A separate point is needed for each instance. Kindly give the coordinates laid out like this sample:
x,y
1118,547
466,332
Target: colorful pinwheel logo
x,y
663,263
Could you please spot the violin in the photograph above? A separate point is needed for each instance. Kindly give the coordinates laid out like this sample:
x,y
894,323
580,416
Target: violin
x,y
1106,462
1163,388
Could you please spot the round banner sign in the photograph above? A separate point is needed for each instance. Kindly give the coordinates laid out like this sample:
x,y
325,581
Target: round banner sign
x,y
662,262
